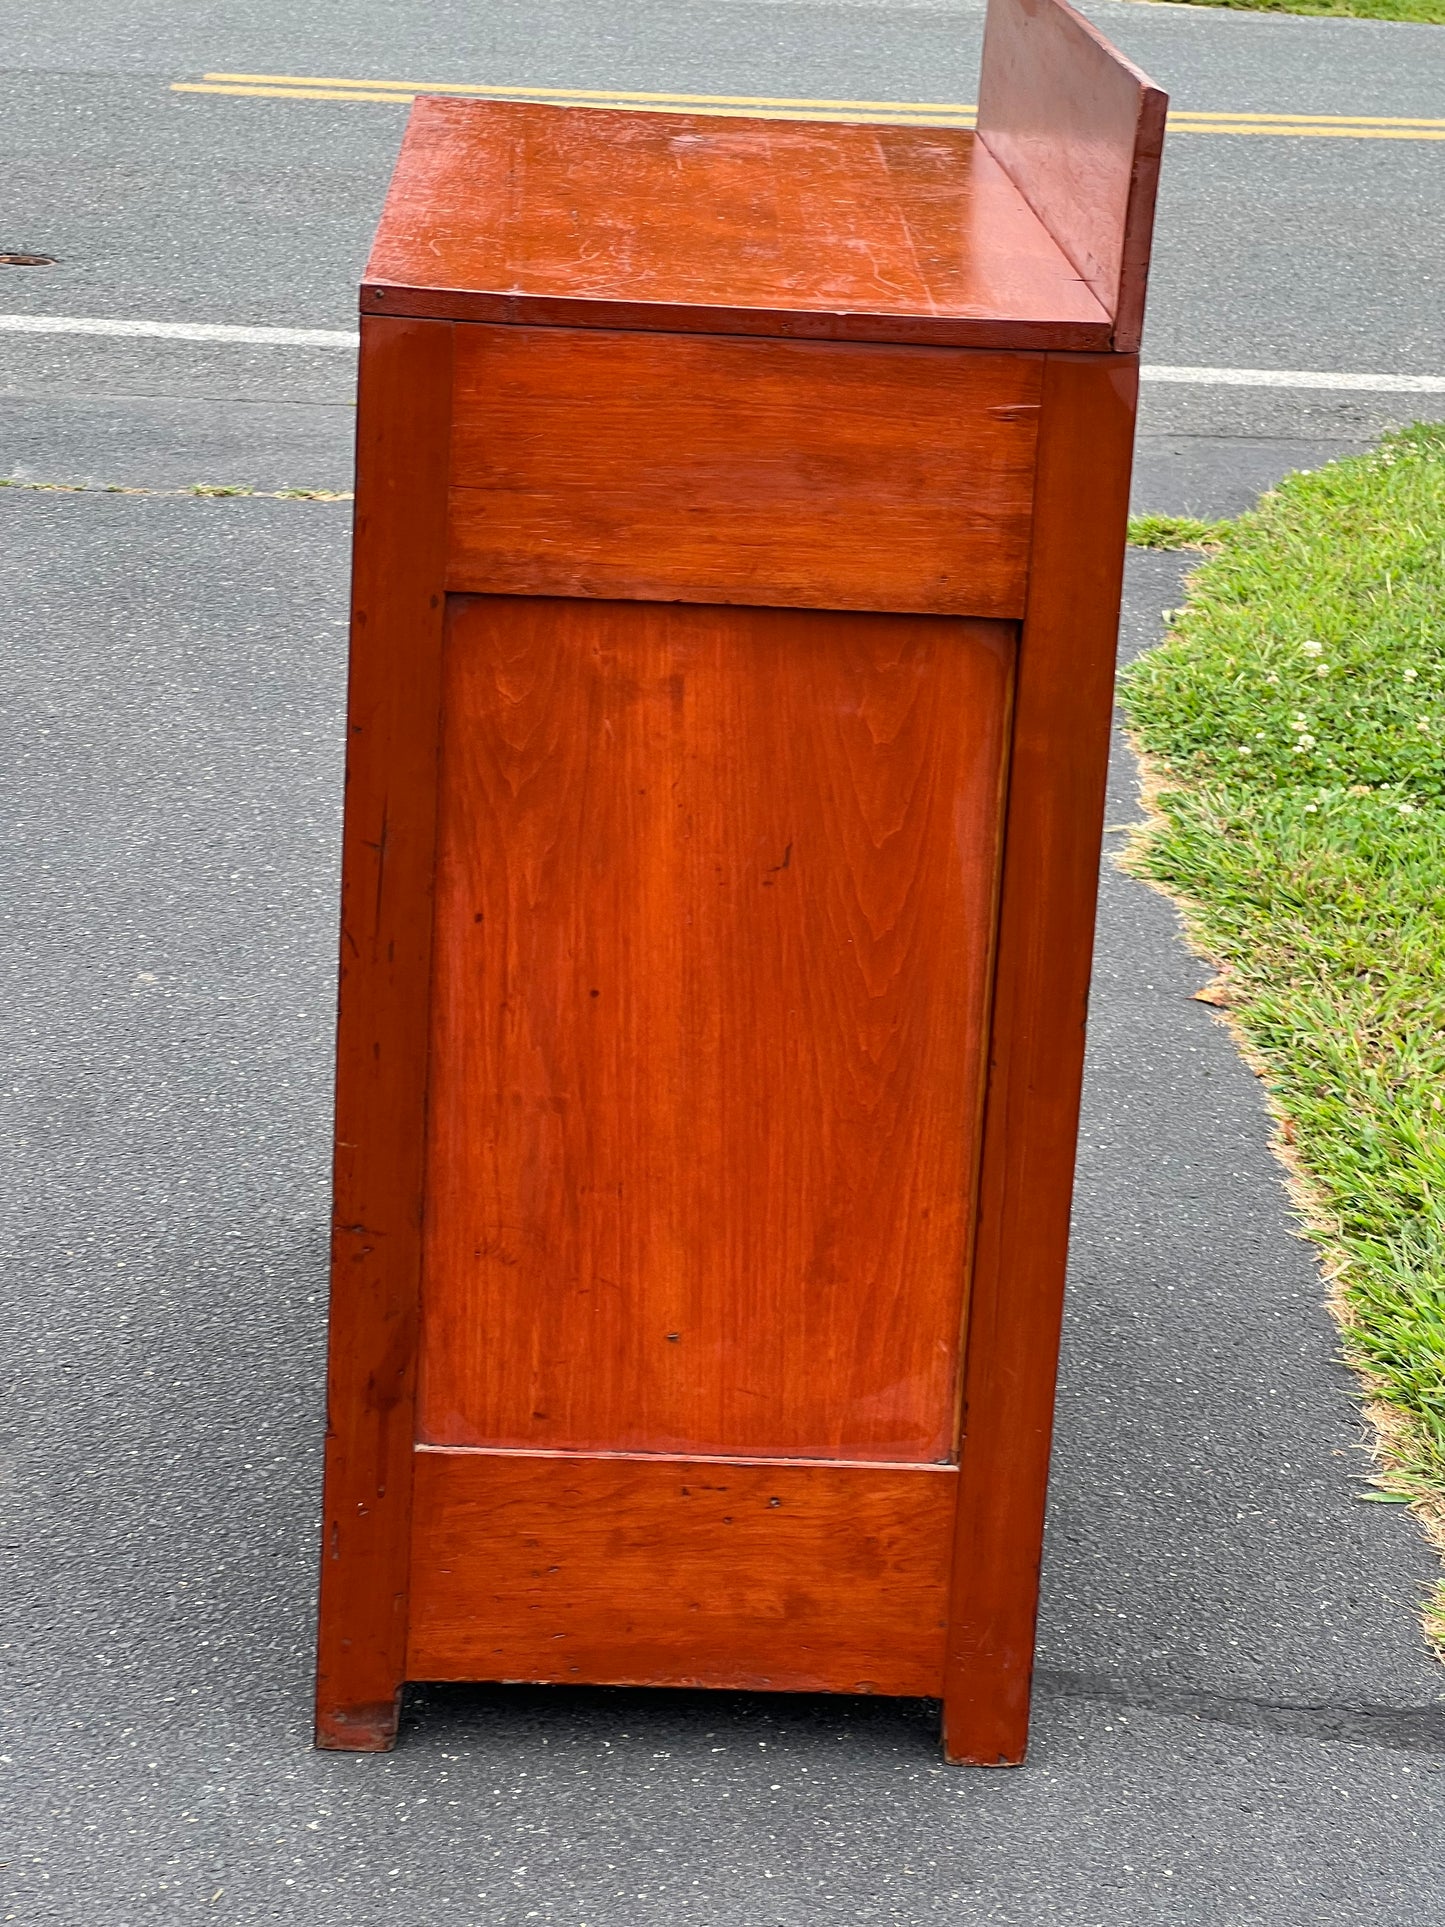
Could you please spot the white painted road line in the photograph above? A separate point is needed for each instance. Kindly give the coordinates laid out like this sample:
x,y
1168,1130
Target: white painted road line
x,y
1298,378
60,324
70,324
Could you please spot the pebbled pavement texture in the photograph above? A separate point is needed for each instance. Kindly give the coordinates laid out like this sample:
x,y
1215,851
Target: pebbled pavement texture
x,y
1237,1720
1269,252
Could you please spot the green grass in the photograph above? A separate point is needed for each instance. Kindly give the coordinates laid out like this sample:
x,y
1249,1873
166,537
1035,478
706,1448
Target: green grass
x,y
1426,12
1175,532
1293,729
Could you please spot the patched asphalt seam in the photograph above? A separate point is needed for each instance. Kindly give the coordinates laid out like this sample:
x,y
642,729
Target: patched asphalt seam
x,y
1406,1729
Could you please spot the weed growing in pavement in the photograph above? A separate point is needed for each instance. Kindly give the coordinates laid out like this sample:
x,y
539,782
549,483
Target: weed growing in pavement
x,y
206,491
1175,532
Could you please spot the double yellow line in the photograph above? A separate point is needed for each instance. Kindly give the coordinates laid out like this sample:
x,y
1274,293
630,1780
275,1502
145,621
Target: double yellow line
x,y
915,113
754,106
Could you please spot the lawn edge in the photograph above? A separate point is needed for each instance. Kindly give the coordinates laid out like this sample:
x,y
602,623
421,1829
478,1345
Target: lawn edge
x,y
1389,1430
1303,12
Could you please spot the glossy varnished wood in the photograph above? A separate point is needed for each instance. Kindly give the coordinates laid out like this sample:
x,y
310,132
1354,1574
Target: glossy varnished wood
x,y
673,468
387,869
715,903
817,1578
714,964
1050,880
512,212
1080,131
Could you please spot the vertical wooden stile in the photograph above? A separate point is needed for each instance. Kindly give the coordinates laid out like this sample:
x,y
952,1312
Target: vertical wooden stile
x,y
1052,835
388,864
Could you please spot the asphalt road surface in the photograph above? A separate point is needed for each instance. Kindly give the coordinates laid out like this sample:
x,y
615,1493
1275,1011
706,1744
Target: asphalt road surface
x,y
1238,1721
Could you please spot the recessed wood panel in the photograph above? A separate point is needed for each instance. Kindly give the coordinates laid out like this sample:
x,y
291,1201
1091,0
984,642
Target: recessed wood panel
x,y
677,468
715,901
517,212
668,1573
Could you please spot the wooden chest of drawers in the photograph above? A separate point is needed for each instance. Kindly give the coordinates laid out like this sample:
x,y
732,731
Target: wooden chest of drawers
x,y
739,532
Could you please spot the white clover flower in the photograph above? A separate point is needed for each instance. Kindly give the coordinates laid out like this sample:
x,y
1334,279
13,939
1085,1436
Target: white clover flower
x,y
1313,648
1411,674
1323,670
1304,745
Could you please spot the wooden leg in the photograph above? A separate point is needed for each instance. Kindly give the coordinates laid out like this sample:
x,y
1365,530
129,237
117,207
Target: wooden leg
x,y
359,1729
1054,826
387,864
977,1736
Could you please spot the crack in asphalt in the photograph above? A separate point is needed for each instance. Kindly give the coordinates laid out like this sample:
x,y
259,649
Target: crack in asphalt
x,y
1406,1729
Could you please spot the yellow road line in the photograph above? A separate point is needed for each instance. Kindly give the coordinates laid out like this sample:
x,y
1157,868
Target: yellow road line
x,y
395,97
783,107
605,93
907,116
1317,133
1341,120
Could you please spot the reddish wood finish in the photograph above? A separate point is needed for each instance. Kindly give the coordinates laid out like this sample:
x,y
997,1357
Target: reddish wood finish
x,y
507,211
714,937
1051,867
648,1571
685,923
387,863
573,451
1080,132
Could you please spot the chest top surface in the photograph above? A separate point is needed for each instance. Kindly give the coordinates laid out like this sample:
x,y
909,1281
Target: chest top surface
x,y
509,211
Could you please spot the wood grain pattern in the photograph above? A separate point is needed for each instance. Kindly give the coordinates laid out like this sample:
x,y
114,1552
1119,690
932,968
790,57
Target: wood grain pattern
x,y
714,913
667,1573
677,468
1054,829
719,886
1080,132
387,863
511,212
